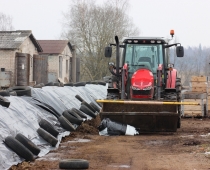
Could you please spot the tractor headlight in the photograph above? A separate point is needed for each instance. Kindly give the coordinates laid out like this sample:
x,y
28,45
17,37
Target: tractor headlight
x,y
135,88
147,88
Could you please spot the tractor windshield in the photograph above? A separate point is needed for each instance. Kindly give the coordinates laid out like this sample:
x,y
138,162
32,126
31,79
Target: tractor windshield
x,y
144,56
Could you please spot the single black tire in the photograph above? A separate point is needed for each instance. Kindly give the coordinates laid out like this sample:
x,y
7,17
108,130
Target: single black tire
x,y
49,84
79,98
13,93
94,82
73,164
93,105
66,124
89,106
101,105
4,93
71,118
87,111
88,82
28,143
41,84
19,148
102,83
56,84
4,102
74,114
21,90
37,86
47,137
80,113
69,84
80,84
48,127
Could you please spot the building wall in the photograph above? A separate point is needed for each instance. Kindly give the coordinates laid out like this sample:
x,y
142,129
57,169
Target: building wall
x,y
53,64
28,47
7,59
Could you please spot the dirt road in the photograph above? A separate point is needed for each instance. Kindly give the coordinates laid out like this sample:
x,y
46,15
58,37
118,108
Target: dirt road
x,y
183,150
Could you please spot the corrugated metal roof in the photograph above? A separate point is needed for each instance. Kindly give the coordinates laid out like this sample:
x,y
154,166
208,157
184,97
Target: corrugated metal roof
x,y
13,39
53,46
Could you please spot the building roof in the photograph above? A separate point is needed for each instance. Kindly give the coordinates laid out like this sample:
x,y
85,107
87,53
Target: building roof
x,y
54,46
10,40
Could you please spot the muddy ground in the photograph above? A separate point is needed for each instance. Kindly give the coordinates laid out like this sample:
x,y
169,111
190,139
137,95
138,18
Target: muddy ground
x,y
183,150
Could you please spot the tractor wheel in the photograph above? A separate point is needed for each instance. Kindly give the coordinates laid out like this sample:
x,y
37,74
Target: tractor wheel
x,y
178,93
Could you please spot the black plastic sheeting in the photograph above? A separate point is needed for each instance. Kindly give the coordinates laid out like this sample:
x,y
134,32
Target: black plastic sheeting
x,y
24,114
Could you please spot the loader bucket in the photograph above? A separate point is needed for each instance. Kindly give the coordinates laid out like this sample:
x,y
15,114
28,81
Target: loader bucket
x,y
146,117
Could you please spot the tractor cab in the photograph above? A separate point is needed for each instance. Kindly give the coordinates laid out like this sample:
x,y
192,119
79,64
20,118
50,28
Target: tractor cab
x,y
143,56
145,62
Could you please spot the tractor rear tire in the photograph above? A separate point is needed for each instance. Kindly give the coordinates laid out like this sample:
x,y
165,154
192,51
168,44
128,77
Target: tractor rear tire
x,y
178,93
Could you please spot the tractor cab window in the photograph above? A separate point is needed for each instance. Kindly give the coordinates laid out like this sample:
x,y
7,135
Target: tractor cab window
x,y
144,56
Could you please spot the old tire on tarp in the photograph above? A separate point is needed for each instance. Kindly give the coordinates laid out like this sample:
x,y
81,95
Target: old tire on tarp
x,y
37,86
27,143
79,98
93,105
4,102
80,113
69,84
49,84
66,124
79,84
13,93
90,107
19,148
21,90
56,84
47,136
73,164
44,124
4,93
71,118
74,114
87,111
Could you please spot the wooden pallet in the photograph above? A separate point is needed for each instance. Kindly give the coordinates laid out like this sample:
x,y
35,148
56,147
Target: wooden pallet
x,y
193,110
198,84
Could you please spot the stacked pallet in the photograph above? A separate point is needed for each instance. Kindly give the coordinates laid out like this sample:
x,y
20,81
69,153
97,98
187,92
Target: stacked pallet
x,y
193,110
198,84
197,93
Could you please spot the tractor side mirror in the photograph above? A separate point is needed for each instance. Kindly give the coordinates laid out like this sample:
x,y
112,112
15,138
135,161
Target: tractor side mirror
x,y
180,51
108,52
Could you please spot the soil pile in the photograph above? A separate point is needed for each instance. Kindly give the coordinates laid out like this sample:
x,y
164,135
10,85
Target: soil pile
x,y
90,126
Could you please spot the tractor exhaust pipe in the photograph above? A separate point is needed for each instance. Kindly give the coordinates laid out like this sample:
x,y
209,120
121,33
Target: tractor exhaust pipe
x,y
117,55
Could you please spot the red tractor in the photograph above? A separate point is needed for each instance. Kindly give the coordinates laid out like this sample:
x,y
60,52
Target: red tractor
x,y
145,84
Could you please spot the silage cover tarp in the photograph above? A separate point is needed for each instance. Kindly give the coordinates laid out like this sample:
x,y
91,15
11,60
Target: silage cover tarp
x,y
23,116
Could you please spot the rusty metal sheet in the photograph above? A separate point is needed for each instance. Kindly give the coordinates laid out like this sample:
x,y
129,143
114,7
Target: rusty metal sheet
x,y
22,69
40,69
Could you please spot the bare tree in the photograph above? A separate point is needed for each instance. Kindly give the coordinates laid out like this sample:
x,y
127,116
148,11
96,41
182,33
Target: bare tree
x,y
91,27
5,22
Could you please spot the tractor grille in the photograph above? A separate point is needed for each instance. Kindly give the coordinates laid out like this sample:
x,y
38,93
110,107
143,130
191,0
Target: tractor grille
x,y
141,92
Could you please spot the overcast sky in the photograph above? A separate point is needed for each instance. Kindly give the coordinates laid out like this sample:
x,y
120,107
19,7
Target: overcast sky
x,y
189,18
